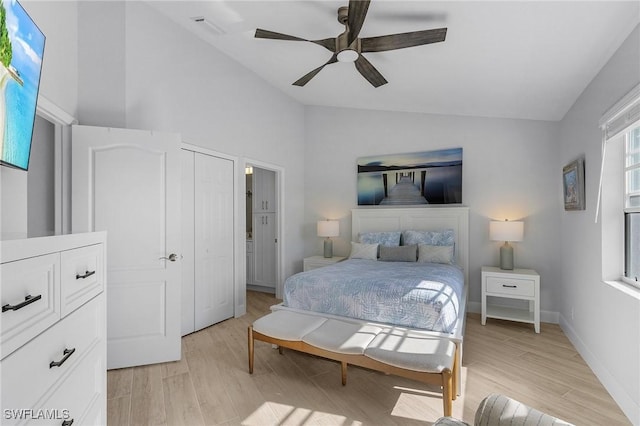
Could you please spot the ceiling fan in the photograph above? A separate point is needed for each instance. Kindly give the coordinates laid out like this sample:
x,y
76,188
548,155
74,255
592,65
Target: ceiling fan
x,y
347,47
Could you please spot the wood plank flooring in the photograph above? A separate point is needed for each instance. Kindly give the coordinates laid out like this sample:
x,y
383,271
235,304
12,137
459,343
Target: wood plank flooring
x,y
211,385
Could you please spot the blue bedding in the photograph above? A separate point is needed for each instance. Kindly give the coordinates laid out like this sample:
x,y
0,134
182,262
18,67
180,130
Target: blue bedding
x,y
409,294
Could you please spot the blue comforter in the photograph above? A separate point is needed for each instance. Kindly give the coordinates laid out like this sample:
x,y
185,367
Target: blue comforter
x,y
410,294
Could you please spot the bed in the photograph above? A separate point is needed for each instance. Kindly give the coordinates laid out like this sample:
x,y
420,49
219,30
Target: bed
x,y
430,297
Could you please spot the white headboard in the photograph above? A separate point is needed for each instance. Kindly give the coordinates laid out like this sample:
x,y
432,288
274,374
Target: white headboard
x,y
417,218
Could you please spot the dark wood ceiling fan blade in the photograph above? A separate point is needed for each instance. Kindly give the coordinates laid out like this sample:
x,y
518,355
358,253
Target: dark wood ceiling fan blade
x,y
260,33
327,43
401,41
369,72
308,76
355,20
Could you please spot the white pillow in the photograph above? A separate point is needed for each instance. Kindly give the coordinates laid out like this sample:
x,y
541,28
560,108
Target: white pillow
x,y
435,254
364,251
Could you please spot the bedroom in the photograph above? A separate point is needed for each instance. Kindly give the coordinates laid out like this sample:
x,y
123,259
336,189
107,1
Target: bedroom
x,y
494,148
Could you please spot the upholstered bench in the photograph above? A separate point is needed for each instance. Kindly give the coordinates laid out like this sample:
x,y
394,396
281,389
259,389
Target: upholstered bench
x,y
402,352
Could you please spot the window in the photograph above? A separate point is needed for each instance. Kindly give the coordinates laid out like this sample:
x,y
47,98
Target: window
x,y
632,207
618,199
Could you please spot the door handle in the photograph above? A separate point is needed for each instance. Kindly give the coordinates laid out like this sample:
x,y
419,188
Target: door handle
x,y
172,257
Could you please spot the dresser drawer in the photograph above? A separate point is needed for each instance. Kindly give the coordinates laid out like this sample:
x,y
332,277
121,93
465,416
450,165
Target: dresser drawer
x,y
510,286
81,276
29,297
80,396
28,373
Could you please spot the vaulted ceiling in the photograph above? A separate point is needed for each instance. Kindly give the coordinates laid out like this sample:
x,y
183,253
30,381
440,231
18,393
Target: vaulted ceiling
x,y
512,59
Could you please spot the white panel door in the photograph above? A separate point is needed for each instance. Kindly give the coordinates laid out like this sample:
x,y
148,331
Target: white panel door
x,y
127,182
214,245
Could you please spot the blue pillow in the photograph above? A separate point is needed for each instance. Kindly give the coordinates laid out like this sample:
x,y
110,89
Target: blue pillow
x,y
444,237
381,238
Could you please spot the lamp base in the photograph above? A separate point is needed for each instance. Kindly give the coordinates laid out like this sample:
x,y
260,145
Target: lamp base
x,y
506,257
328,247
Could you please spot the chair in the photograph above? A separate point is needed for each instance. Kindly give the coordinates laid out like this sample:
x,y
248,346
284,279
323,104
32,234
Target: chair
x,y
500,410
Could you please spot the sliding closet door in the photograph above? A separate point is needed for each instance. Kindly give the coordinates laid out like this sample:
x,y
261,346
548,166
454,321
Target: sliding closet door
x,y
214,245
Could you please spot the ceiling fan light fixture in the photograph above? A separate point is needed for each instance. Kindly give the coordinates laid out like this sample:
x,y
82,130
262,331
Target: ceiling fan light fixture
x,y
348,55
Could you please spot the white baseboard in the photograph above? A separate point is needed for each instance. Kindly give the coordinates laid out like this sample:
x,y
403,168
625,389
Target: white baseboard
x,y
628,406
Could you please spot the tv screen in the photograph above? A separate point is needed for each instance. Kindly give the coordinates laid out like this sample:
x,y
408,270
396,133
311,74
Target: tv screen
x,y
21,50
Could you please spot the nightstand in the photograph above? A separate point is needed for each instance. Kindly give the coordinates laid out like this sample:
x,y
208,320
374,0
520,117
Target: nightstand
x,y
314,262
522,284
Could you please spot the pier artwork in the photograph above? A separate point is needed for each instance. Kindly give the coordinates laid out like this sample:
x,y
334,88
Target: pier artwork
x,y
432,177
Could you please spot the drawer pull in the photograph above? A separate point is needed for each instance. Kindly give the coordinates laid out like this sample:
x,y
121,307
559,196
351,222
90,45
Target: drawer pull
x,y
27,301
67,422
67,353
87,274
509,286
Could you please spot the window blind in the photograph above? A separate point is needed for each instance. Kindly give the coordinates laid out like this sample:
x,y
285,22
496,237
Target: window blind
x,y
621,116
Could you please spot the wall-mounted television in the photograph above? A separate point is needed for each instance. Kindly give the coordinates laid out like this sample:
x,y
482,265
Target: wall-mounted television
x,y
21,51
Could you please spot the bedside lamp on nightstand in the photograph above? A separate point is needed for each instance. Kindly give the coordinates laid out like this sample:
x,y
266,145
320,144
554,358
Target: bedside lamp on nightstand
x,y
328,229
506,231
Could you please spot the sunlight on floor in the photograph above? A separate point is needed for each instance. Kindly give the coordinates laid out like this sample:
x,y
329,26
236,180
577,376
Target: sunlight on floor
x,y
287,414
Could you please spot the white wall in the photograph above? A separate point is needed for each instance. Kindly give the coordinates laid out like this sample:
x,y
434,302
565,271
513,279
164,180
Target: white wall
x,y
509,171
173,81
58,20
605,326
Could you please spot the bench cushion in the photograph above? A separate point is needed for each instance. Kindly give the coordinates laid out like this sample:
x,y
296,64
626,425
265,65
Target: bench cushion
x,y
342,337
406,349
285,325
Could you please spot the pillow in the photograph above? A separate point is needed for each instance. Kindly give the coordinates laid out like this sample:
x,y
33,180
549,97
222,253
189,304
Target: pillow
x,y
381,238
435,254
445,237
363,251
399,254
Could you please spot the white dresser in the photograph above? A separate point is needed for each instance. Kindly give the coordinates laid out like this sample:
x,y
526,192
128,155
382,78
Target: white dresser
x,y
53,330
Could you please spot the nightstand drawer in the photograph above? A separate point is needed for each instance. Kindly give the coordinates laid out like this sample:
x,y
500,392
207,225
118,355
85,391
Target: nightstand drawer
x,y
511,286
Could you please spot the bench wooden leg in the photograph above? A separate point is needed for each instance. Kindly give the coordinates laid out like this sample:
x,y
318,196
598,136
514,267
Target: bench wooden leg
x,y
455,373
250,346
447,391
343,368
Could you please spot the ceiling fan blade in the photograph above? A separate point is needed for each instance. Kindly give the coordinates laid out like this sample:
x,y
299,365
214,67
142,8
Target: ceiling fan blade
x,y
327,43
307,77
369,72
357,13
260,33
401,41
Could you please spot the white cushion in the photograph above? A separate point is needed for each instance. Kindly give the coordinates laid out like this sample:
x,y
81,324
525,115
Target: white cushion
x,y
364,251
435,254
342,337
285,325
412,350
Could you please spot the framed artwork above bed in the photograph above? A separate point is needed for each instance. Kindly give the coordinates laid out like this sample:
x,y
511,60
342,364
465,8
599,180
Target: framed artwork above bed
x,y
419,178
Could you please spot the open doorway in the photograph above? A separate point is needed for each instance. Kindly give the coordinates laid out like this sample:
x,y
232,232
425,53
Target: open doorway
x,y
262,228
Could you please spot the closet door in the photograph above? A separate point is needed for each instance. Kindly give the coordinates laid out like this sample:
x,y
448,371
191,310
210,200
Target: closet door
x,y
213,247
264,249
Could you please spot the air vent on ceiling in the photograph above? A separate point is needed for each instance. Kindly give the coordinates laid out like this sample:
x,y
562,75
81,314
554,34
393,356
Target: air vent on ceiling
x,y
208,25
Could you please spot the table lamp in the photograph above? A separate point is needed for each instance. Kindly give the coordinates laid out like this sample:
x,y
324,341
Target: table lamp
x,y
506,231
328,229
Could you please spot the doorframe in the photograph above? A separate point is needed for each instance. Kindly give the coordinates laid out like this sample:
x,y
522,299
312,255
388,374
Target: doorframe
x,y
62,122
239,250
280,202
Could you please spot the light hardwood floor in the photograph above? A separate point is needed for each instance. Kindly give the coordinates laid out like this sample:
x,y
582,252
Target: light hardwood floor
x,y
211,385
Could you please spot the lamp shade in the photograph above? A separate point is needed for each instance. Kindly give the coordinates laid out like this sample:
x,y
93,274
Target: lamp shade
x,y
506,230
328,228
